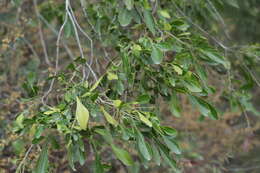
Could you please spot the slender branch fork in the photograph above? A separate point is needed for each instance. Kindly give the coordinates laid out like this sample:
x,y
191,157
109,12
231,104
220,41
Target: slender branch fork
x,y
75,26
70,16
44,98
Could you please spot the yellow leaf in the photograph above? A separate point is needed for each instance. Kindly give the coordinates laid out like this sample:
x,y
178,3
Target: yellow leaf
x,y
108,117
82,115
145,120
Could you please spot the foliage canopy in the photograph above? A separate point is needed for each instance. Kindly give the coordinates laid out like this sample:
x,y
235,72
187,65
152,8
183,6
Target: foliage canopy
x,y
132,56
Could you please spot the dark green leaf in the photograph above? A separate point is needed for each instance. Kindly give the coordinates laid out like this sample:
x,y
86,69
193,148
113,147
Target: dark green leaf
x,y
142,146
123,155
148,19
156,155
169,131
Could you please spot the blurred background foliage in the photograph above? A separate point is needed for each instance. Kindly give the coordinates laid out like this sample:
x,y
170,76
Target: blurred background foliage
x,y
231,144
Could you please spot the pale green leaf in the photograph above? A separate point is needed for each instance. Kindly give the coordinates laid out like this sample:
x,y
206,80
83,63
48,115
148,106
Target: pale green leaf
x,y
165,14
19,120
178,70
175,106
172,145
129,4
145,120
117,103
96,84
82,115
157,55
233,3
108,117
124,17
112,76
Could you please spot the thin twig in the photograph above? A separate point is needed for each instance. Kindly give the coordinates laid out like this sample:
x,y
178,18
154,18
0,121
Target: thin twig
x,y
57,57
31,47
201,29
24,158
220,18
41,34
75,25
56,33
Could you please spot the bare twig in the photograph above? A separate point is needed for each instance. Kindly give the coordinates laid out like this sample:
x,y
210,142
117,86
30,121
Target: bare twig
x,y
57,56
56,33
75,26
21,165
41,34
220,18
31,47
201,29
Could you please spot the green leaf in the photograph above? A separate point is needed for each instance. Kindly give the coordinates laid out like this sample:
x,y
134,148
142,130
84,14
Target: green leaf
x,y
124,17
145,98
145,120
96,84
70,156
157,55
192,83
42,163
148,19
108,117
19,120
82,115
156,155
172,145
98,166
106,135
233,3
169,131
119,86
165,155
178,70
112,76
175,106
205,108
123,155
142,146
217,58
117,103
165,14
129,4
168,159
18,146
192,86
201,72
